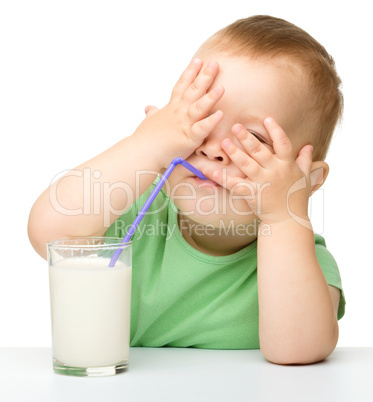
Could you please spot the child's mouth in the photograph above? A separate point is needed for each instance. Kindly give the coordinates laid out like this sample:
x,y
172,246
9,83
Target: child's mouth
x,y
205,183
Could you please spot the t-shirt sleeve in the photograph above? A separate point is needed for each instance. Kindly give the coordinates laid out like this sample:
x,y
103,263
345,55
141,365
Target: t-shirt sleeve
x,y
330,270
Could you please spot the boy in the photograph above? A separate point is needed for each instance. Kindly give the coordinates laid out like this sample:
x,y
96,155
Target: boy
x,y
231,262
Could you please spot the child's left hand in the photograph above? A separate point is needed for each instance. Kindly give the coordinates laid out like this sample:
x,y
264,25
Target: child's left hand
x,y
277,186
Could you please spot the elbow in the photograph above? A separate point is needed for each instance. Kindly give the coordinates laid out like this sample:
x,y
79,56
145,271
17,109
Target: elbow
x,y
300,351
297,357
36,233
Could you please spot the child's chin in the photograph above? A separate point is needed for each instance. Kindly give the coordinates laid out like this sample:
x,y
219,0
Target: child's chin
x,y
215,210
222,220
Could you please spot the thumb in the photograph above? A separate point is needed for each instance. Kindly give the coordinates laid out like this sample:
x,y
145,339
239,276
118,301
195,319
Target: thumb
x,y
304,159
150,109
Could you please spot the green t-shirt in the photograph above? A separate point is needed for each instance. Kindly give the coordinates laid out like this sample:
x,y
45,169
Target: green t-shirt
x,y
182,297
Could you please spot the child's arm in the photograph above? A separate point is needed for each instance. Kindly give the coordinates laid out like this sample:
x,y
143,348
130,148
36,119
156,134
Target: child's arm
x,y
69,208
297,318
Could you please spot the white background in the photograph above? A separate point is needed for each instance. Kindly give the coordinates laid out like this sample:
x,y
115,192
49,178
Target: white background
x,y
75,77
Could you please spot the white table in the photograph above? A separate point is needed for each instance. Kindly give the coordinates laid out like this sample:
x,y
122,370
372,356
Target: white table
x,y
171,374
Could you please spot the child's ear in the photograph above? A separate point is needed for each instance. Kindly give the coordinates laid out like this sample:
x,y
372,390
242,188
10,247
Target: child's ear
x,y
318,175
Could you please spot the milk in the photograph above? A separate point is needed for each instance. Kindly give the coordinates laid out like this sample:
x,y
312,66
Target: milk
x,y
90,306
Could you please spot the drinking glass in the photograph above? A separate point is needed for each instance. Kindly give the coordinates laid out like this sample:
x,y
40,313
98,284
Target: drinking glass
x,y
90,305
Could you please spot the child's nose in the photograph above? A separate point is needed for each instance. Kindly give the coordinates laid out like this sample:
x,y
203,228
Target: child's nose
x,y
212,150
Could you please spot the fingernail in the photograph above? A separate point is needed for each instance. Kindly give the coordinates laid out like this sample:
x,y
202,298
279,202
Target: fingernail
x,y
227,143
146,109
268,120
236,128
216,175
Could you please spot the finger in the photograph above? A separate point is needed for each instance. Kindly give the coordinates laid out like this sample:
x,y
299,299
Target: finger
x,y
203,106
202,128
187,77
304,159
244,162
256,149
281,143
236,185
150,109
202,82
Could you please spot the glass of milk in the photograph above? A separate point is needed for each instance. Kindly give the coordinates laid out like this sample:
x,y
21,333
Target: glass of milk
x,y
90,305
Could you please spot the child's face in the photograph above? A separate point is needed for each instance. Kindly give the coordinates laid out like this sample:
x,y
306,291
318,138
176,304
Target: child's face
x,y
254,89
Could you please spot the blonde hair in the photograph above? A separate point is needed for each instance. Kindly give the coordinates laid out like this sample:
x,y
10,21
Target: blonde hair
x,y
263,36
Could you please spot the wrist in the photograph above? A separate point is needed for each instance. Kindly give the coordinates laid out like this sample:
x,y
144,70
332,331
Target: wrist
x,y
150,148
297,222
293,210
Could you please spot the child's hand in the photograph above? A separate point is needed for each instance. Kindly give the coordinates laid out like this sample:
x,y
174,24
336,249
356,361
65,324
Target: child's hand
x,y
181,126
275,183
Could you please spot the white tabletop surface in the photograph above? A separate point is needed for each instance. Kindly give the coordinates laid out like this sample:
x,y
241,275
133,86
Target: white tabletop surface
x,y
171,374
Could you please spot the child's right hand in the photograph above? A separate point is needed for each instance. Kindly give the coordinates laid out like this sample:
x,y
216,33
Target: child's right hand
x,y
181,126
